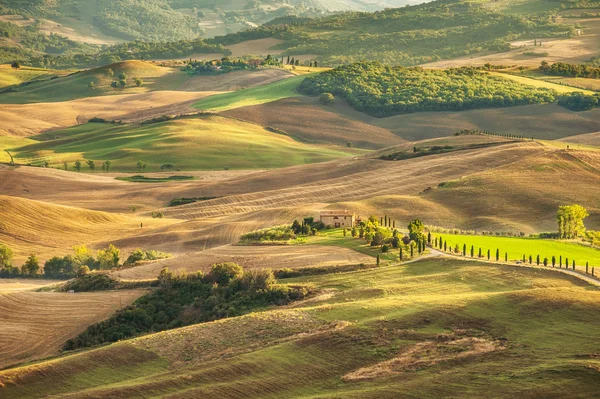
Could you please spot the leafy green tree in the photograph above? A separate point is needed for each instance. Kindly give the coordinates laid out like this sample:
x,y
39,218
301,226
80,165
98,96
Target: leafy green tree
x,y
224,273
6,256
91,85
91,164
106,166
415,229
122,76
138,82
110,73
122,83
108,258
570,221
31,267
114,85
77,165
16,65
141,166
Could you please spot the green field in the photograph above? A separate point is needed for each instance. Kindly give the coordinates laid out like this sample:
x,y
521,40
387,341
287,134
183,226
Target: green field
x,y
201,143
430,329
517,247
10,76
252,96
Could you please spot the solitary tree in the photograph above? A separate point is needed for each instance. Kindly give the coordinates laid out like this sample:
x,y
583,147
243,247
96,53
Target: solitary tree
x,y
91,164
6,255
570,221
138,82
106,166
77,165
16,65
31,267
141,165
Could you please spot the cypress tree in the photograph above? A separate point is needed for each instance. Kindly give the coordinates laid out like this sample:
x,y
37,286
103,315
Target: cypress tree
x,y
436,242
573,264
429,238
445,247
480,252
411,251
419,246
530,259
377,259
464,249
586,267
497,254
553,260
566,263
472,251
400,253
394,224
560,262
488,254
524,258
506,256
537,260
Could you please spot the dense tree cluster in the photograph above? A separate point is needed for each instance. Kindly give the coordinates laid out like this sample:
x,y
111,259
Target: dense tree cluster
x,y
384,90
573,70
181,300
578,101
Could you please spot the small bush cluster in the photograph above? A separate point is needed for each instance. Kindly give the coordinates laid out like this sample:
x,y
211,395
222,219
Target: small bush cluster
x,y
277,234
91,282
140,255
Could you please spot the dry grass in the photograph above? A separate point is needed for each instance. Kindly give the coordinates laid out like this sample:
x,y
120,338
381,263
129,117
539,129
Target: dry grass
x,y
305,119
235,80
426,354
23,284
255,47
575,50
249,257
30,119
37,324
592,139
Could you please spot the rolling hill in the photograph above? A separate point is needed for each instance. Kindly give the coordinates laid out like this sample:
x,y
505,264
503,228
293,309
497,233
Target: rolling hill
x,y
189,143
453,321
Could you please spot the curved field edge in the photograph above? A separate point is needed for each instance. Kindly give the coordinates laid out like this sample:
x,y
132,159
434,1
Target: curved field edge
x,y
253,96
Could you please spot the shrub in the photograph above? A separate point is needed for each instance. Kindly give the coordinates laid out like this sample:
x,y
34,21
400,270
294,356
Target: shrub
x,y
326,98
91,282
223,273
278,233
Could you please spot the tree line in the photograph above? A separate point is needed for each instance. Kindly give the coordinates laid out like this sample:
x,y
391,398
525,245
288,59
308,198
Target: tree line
x,y
79,263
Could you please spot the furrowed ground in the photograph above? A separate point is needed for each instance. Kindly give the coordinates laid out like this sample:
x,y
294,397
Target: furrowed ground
x,y
437,327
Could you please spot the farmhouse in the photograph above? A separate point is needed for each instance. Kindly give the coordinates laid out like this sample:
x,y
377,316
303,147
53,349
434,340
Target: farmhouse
x,y
338,218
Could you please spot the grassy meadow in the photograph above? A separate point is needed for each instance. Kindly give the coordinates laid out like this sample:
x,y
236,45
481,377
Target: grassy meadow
x,y
429,329
252,96
517,247
537,80
200,143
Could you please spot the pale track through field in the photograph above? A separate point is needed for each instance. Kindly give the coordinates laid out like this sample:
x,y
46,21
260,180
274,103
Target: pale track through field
x,y
35,325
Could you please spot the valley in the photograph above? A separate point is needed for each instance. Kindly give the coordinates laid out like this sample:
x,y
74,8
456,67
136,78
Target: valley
x,y
267,199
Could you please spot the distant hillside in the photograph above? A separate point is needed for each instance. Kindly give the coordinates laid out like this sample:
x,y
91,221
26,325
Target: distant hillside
x,y
410,35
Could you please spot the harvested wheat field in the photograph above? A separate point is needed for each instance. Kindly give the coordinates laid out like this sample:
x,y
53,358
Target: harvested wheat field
x,y
306,120
250,257
34,325
31,119
255,47
236,80
592,139
23,284
46,229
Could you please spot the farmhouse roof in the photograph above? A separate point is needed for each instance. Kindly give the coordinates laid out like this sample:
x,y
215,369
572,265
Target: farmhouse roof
x,y
337,213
